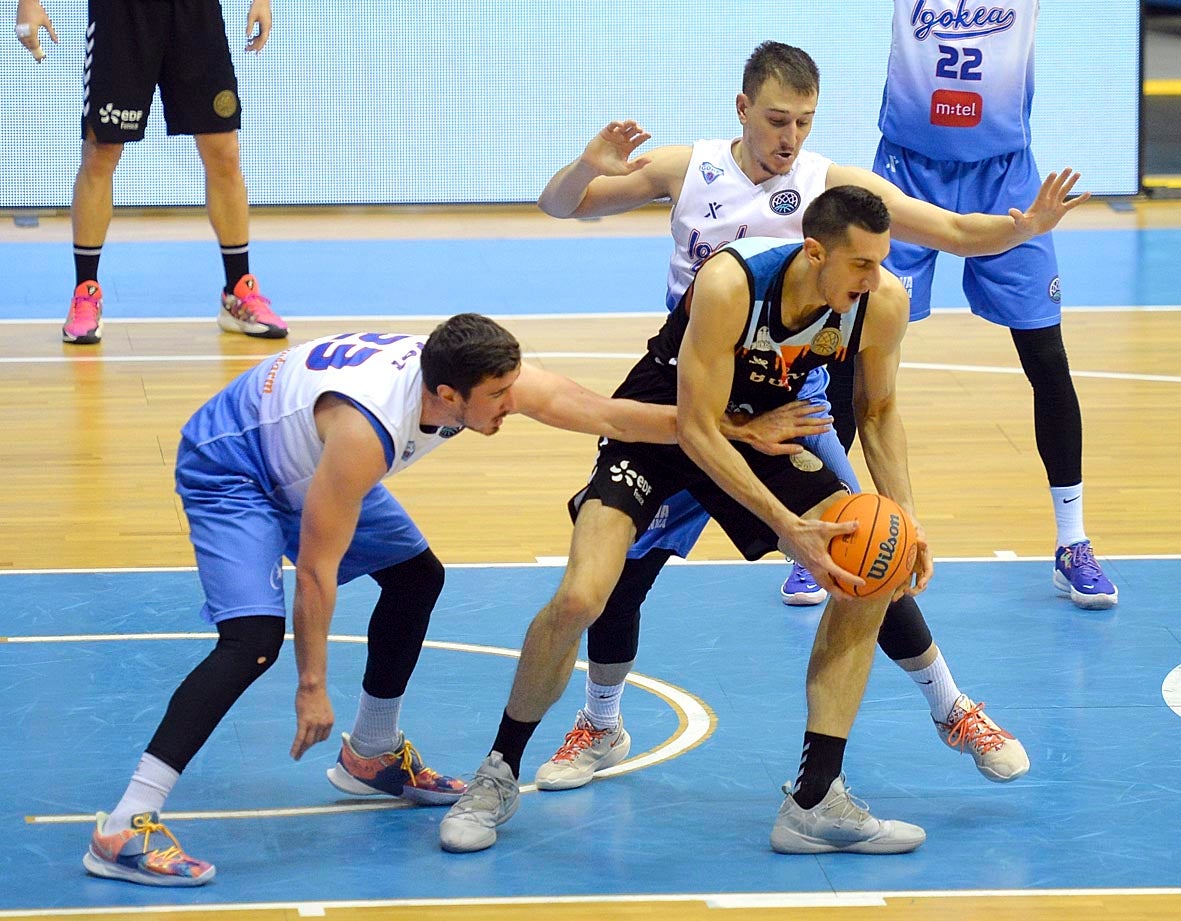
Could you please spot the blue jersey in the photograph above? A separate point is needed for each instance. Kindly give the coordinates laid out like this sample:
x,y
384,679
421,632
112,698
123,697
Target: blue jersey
x,y
959,84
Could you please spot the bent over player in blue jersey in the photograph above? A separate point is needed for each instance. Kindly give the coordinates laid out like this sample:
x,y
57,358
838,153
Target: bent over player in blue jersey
x,y
288,460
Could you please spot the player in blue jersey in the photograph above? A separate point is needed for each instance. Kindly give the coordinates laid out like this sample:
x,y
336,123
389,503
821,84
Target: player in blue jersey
x,y
955,132
759,316
288,460
720,190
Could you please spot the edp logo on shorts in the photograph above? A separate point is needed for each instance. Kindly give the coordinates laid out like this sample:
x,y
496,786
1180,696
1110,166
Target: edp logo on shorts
x,y
1055,290
785,202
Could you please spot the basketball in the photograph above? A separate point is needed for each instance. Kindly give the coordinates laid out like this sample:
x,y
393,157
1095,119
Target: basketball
x,y
883,548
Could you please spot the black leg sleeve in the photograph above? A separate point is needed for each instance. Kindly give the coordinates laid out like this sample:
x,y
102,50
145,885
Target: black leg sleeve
x,y
398,625
246,647
1057,419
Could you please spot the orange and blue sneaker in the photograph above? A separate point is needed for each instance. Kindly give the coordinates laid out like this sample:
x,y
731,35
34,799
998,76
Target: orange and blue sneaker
x,y
247,311
130,855
1077,573
84,322
396,773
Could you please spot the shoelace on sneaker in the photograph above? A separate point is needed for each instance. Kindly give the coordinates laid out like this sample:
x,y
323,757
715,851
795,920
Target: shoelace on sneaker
x,y
85,309
1083,562
485,793
851,808
975,729
141,824
409,758
578,740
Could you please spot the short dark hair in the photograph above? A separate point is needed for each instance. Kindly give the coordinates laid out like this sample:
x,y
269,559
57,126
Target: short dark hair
x,y
832,213
465,350
791,66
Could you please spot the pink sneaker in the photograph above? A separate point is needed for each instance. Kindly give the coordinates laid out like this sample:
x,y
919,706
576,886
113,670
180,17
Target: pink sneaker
x,y
129,855
84,322
247,311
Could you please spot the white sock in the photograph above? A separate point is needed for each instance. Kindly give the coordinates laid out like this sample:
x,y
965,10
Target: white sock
x,y
1068,513
375,731
938,687
602,704
150,785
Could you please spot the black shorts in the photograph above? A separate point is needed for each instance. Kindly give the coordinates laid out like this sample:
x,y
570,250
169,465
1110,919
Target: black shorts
x,y
638,478
133,46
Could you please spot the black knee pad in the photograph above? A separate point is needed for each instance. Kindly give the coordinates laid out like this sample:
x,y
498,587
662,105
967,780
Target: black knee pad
x,y
904,633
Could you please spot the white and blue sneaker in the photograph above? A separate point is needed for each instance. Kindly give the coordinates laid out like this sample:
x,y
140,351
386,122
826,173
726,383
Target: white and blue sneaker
x,y
1077,574
801,589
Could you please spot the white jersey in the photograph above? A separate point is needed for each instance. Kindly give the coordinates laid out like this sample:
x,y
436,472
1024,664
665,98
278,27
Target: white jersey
x,y
719,204
262,424
959,84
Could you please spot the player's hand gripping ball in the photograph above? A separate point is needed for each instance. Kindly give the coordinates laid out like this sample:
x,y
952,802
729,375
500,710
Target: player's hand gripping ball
x,y
882,550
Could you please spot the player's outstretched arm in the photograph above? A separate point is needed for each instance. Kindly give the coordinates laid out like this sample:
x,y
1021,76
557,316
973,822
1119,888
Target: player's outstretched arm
x,y
975,234
31,18
565,404
605,179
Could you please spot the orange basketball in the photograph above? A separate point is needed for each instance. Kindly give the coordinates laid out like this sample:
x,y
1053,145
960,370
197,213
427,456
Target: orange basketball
x,y
883,548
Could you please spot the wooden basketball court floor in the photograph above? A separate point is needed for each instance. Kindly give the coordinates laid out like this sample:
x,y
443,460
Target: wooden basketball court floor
x,y
99,615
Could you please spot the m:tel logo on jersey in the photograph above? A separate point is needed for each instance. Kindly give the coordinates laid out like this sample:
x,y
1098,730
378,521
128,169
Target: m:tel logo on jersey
x,y
956,109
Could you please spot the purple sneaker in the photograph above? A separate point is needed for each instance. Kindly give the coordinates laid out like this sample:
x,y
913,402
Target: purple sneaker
x,y
801,589
1076,573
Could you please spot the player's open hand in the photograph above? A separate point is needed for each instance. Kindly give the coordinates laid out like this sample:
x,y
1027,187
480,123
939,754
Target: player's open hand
x,y
1051,204
771,432
924,566
807,544
258,25
609,152
31,18
313,720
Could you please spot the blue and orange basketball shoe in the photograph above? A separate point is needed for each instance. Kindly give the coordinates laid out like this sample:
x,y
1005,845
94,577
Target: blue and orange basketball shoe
x,y
84,322
396,773
1077,573
247,311
130,855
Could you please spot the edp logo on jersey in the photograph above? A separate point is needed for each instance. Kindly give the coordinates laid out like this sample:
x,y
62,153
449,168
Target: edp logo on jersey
x,y
785,202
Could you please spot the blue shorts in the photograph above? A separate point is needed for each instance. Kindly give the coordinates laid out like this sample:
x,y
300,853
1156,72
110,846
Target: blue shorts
x,y
679,521
240,536
1018,289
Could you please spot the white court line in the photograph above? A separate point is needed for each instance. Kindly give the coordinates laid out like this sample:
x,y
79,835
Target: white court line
x,y
585,356
548,562
695,724
719,900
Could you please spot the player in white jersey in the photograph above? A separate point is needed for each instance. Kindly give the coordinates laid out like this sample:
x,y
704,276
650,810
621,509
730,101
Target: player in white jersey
x,y
955,131
721,190
288,460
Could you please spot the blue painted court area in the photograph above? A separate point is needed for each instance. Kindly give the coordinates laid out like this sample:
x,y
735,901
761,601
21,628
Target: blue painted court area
x,y
1100,268
1082,690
